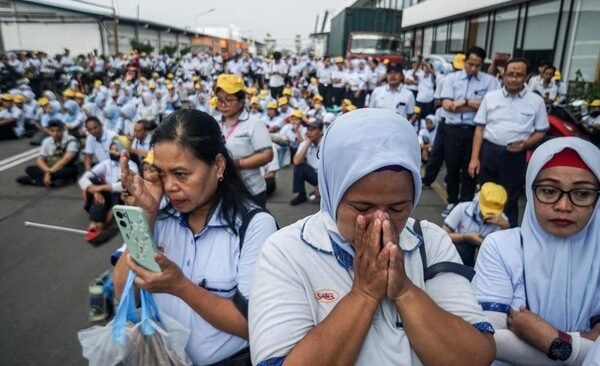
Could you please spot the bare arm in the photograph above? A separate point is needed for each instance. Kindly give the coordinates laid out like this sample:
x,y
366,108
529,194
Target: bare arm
x,y
300,155
256,160
41,163
475,164
66,159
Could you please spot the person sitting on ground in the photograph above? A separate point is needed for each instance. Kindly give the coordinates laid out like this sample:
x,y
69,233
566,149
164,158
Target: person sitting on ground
x,y
12,123
141,139
306,161
426,137
56,164
540,284
97,142
102,185
470,222
346,286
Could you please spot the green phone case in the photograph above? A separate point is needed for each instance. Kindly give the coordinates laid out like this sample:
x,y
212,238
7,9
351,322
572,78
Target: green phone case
x,y
137,235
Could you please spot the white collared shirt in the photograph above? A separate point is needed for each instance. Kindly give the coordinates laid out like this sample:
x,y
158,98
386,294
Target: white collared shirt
x,y
399,100
99,148
459,86
464,218
107,171
510,118
312,154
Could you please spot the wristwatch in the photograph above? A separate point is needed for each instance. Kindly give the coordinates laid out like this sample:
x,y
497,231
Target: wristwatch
x,y
561,347
466,102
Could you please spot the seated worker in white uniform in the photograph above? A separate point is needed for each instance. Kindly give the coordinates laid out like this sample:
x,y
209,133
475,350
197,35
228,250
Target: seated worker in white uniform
x,y
346,286
470,222
209,236
540,284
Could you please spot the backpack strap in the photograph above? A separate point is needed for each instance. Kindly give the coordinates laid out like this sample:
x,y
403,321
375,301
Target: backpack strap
x,y
440,267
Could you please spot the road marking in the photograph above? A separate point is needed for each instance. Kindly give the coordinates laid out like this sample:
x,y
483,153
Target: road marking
x,y
19,161
18,156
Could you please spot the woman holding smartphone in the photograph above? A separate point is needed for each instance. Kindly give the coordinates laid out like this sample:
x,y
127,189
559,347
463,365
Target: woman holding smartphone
x,y
346,286
206,266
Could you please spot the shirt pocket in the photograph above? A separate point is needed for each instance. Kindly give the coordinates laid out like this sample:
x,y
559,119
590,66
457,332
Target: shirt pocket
x,y
223,287
479,94
240,145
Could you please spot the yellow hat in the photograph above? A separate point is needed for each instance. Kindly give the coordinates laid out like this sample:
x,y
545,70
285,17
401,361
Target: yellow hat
x,y
251,91
230,83
557,75
149,159
386,61
272,105
213,102
19,99
144,54
254,100
43,101
287,91
142,78
351,108
195,78
169,76
68,93
282,101
7,97
198,86
123,142
314,80
346,102
317,97
155,75
80,95
264,93
417,109
339,60
459,61
97,83
595,103
168,82
170,86
297,113
492,199
152,85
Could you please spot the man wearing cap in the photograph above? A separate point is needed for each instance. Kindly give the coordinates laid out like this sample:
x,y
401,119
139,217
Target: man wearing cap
x,y
55,166
12,122
284,107
97,143
461,96
509,121
470,222
426,137
394,95
306,160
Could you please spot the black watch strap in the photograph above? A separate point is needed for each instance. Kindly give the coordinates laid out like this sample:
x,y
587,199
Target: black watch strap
x,y
561,347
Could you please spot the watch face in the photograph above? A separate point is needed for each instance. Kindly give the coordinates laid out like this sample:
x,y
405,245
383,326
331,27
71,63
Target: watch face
x,y
560,350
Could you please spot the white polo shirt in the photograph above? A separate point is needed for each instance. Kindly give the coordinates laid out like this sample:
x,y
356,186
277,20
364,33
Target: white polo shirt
x,y
399,100
99,147
248,137
109,172
210,259
510,118
460,86
278,80
324,74
68,143
339,75
464,218
312,154
301,276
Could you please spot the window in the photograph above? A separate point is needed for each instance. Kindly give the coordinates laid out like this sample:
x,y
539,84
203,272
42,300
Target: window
x,y
542,19
457,36
477,35
441,33
505,28
583,44
428,41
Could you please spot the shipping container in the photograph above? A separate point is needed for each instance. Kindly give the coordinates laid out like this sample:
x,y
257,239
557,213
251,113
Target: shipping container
x,y
361,20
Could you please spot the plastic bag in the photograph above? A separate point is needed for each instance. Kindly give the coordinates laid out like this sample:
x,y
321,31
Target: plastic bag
x,y
155,339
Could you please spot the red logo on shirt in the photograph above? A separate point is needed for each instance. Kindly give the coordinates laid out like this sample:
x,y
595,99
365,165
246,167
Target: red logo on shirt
x,y
326,295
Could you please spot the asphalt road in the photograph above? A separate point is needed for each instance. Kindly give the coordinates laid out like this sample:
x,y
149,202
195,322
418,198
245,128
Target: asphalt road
x,y
45,274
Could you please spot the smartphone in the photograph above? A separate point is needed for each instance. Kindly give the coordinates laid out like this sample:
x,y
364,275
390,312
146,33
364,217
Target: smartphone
x,y
137,235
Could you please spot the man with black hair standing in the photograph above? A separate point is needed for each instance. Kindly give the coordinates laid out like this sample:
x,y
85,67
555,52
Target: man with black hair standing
x,y
461,96
509,121
278,71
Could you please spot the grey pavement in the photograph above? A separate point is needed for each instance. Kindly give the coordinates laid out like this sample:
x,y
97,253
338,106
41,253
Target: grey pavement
x,y
45,274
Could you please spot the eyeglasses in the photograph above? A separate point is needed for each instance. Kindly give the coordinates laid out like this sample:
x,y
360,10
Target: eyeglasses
x,y
515,75
580,197
227,101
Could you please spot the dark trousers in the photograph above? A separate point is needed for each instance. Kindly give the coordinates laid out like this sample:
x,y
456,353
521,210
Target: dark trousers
x,y
7,132
304,173
504,168
337,95
326,93
68,172
261,199
457,153
467,252
426,108
276,91
436,158
98,212
359,101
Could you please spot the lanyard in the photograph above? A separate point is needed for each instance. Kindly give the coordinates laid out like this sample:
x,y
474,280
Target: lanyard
x,y
230,130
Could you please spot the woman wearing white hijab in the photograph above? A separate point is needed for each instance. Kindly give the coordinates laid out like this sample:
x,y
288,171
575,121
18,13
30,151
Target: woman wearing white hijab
x,y
540,284
346,285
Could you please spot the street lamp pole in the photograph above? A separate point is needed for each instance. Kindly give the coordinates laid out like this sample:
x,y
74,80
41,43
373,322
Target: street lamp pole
x,y
201,14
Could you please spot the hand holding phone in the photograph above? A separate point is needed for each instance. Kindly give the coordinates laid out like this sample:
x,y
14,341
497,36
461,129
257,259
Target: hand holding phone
x,y
137,235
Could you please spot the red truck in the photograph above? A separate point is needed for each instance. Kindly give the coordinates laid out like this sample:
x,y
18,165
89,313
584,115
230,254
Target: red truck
x,y
377,45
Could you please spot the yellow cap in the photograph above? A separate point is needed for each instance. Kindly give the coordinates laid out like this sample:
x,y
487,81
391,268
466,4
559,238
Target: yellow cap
x,y
287,91
169,76
351,108
282,101
195,78
254,100
149,159
595,103
557,75
155,75
198,86
272,105
97,83
459,61
230,83
346,102
168,82
142,78
264,93
80,95
123,141
19,99
314,80
7,97
339,59
386,61
417,109
152,85
213,102
143,54
43,101
492,198
317,97
117,82
170,86
297,113
68,93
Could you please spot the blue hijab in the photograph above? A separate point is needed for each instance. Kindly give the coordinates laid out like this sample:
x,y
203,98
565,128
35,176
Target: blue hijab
x,y
562,275
357,144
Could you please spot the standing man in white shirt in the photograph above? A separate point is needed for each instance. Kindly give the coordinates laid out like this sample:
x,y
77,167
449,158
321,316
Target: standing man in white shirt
x,y
509,121
338,80
411,77
324,72
278,71
394,95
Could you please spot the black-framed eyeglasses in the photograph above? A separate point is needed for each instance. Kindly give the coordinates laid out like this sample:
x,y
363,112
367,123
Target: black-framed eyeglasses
x,y
580,197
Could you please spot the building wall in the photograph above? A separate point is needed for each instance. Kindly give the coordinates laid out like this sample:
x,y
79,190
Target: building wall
x,y
563,32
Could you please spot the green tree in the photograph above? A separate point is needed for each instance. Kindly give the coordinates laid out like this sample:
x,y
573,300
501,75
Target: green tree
x,y
141,46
